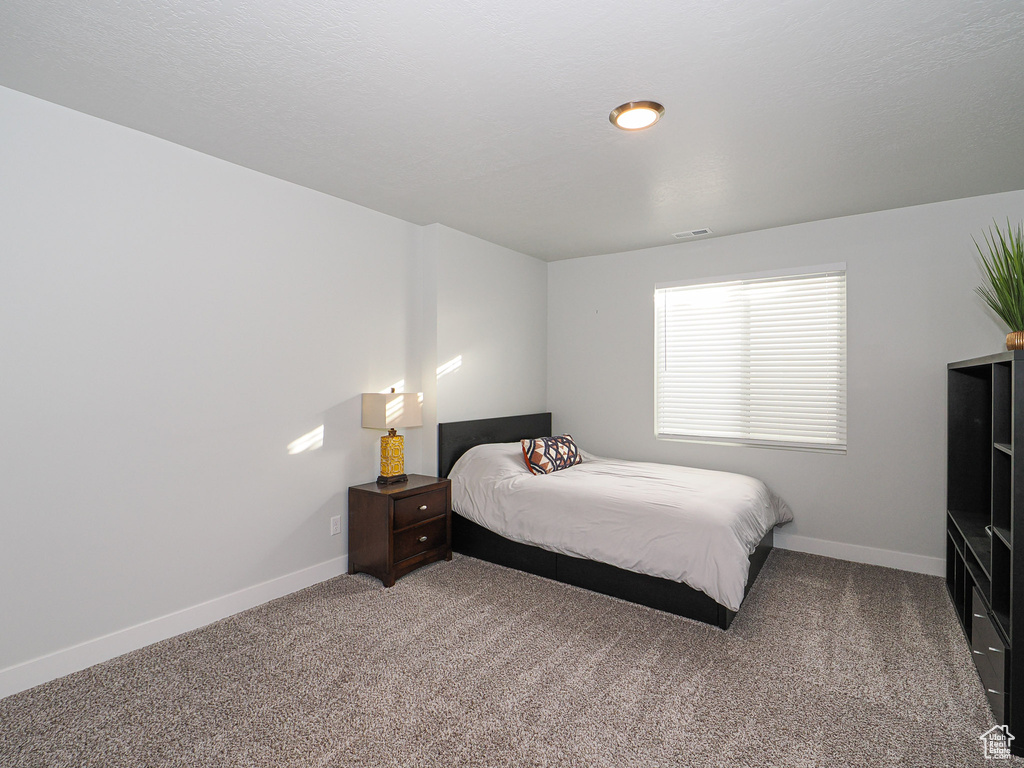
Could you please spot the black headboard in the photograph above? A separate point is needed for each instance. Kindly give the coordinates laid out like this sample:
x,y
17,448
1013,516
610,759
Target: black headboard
x,y
457,437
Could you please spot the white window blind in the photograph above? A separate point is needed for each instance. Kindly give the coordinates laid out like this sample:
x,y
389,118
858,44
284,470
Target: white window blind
x,y
757,359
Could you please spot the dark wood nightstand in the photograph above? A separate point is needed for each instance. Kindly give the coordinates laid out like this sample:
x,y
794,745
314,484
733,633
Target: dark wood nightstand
x,y
395,529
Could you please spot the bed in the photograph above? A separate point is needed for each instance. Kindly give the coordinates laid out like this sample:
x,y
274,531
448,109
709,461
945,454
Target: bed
x,y
570,562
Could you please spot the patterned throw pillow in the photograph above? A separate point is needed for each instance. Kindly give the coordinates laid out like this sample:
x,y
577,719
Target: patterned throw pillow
x,y
545,455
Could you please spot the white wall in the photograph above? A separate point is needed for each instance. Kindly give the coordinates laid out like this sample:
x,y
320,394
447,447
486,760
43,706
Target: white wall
x,y
170,323
911,309
491,320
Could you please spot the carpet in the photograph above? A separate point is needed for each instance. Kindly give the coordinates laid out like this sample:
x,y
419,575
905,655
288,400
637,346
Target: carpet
x,y
828,663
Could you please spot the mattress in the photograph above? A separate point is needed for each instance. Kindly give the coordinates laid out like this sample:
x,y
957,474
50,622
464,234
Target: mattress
x,y
689,525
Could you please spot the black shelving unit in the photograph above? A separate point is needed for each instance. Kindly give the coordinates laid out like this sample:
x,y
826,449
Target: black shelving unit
x,y
985,523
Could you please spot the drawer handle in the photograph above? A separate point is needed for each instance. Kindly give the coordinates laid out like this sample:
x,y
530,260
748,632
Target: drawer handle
x,y
423,538
979,653
980,616
993,690
994,650
422,507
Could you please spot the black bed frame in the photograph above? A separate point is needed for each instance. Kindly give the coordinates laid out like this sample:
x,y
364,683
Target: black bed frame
x,y
455,438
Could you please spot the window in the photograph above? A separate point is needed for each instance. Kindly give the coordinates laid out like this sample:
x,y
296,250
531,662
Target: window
x,y
753,359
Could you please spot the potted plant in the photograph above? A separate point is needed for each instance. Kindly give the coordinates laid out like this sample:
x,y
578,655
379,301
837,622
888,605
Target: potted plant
x,y
1004,267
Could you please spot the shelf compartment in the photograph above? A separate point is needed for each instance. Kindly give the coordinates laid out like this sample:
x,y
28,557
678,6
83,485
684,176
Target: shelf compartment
x,y
954,536
969,439
1002,410
981,581
957,579
1000,594
979,541
1002,620
1002,486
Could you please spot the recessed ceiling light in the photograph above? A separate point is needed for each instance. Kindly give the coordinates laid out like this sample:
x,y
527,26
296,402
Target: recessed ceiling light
x,y
636,115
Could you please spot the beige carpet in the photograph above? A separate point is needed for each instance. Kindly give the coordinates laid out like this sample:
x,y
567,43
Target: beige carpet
x,y
468,664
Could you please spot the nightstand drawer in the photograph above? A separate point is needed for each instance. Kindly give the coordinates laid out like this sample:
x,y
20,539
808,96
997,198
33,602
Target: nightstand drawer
x,y
423,506
421,538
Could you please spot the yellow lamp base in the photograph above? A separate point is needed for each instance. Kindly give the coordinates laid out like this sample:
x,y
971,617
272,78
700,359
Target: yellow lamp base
x,y
392,459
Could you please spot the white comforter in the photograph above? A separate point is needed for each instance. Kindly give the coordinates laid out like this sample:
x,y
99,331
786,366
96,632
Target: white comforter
x,y
696,526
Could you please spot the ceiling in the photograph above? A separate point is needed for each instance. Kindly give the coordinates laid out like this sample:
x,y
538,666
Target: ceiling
x,y
492,117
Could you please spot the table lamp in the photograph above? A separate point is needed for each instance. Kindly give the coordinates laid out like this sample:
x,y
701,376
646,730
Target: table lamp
x,y
390,411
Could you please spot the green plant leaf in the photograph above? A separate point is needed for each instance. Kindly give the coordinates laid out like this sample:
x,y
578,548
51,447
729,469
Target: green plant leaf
x,y
1003,265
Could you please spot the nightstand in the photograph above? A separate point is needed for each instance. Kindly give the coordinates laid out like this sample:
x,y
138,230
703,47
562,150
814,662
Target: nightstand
x,y
395,529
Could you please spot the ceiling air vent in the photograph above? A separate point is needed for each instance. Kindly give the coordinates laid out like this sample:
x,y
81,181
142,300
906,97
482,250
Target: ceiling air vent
x,y
692,233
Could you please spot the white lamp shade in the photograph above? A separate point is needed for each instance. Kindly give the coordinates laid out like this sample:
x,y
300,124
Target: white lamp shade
x,y
393,410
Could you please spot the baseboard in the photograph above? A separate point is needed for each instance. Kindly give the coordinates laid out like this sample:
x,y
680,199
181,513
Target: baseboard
x,y
63,662
903,561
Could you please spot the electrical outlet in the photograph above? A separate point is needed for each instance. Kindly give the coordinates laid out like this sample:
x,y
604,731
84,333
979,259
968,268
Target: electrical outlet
x,y
335,525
